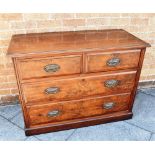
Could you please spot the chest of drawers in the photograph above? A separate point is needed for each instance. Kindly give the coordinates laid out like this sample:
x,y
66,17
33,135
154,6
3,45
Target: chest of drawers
x,y
74,79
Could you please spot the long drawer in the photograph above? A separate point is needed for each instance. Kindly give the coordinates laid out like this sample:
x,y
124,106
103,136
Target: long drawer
x,y
75,88
99,62
49,66
63,111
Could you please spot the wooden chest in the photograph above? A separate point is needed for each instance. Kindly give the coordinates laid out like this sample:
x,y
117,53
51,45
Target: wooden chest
x,y
74,79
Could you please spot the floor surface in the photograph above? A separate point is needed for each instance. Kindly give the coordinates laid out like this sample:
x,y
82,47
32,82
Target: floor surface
x,y
140,128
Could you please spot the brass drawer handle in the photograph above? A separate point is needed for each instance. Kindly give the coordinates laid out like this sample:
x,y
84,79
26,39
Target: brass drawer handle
x,y
52,90
111,83
113,62
52,68
108,105
53,113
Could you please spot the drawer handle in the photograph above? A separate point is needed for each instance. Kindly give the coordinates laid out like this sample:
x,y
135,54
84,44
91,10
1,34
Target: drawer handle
x,y
113,62
111,83
53,113
108,105
52,90
52,68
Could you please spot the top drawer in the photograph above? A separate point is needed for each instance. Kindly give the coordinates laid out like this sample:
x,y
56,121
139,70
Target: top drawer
x,y
49,66
98,62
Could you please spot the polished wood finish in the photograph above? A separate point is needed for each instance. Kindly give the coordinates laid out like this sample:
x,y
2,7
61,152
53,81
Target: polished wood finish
x,y
73,41
35,68
99,61
73,79
75,88
77,109
118,116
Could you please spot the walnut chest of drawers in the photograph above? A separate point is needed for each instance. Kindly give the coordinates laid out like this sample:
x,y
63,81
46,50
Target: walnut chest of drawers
x,y
74,79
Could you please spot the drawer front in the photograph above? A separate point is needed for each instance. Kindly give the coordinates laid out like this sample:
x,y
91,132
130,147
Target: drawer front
x,y
63,111
114,61
51,66
75,88
53,112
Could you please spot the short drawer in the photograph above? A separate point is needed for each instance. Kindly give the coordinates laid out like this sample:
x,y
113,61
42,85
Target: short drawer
x,y
63,111
76,88
99,62
50,66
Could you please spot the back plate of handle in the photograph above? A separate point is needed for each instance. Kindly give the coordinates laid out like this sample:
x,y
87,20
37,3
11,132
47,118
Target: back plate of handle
x,y
53,113
52,90
52,68
113,62
108,105
111,83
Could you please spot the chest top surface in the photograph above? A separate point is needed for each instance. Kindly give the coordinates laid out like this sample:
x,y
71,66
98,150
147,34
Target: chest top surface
x,y
73,41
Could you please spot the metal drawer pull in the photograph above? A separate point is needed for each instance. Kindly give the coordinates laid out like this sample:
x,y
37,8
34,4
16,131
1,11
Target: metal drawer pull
x,y
113,62
52,68
52,90
111,83
108,105
53,113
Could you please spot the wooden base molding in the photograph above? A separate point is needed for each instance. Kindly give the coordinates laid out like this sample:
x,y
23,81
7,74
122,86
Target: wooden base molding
x,y
80,123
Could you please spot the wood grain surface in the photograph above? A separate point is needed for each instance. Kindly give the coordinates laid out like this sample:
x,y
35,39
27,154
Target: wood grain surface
x,y
77,41
73,79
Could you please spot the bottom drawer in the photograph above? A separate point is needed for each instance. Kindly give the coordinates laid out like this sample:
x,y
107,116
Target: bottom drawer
x,y
64,111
